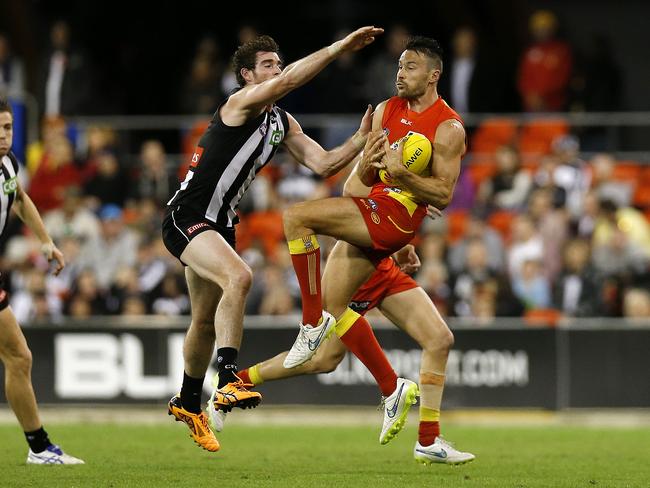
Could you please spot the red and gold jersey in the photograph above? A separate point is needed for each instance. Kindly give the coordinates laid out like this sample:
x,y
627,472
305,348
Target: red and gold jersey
x,y
399,120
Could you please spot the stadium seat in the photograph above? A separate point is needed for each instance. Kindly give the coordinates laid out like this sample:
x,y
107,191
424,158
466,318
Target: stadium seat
x,y
456,223
641,197
538,134
501,221
628,171
493,133
481,170
542,317
263,227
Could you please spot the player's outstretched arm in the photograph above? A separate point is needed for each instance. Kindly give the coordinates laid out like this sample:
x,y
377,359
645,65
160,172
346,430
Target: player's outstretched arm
x,y
255,97
326,163
27,212
437,189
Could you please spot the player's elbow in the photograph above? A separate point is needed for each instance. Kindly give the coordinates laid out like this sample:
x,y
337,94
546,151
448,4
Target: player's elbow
x,y
442,202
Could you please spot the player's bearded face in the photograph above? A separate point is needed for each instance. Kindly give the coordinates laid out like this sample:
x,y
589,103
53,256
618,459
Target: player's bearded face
x,y
267,66
413,75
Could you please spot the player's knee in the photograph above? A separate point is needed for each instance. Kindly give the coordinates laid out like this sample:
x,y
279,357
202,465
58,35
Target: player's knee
x,y
439,340
241,279
292,217
19,360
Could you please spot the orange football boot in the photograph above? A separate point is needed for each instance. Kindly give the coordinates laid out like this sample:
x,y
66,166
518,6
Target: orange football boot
x,y
197,423
236,394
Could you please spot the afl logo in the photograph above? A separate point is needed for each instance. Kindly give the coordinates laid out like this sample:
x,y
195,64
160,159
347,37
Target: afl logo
x,y
375,218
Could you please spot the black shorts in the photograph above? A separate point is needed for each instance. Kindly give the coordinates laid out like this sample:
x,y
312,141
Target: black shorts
x,y
182,224
4,295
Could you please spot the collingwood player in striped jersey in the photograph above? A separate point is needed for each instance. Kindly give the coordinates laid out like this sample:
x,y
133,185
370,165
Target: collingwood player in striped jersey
x,y
14,353
198,229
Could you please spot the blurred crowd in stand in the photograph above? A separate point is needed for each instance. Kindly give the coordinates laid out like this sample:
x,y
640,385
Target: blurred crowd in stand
x,y
534,231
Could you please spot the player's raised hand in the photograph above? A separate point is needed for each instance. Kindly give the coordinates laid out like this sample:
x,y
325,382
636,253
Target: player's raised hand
x,y
366,122
392,161
52,253
358,39
373,152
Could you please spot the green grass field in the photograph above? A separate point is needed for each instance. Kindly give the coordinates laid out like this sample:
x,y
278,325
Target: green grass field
x,y
302,457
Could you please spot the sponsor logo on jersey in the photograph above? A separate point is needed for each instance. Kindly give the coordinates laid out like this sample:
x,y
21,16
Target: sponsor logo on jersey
x,y
195,227
386,131
276,137
263,129
10,186
406,122
373,204
375,218
196,157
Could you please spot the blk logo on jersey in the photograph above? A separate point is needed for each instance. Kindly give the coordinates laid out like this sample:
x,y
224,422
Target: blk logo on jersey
x,y
406,122
196,157
10,186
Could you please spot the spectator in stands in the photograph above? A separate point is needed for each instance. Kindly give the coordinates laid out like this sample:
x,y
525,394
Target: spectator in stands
x,y
603,183
52,129
475,271
12,71
245,33
173,299
276,300
108,184
636,303
475,82
477,229
201,92
627,220
577,291
510,185
66,86
527,244
56,172
72,219
553,227
114,247
531,286
380,73
86,297
571,173
545,67
153,179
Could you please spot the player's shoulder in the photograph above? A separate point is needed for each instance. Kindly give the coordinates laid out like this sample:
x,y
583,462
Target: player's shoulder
x,y
13,160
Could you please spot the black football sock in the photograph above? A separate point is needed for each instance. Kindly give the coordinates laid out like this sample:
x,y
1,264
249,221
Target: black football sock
x,y
226,365
191,393
38,440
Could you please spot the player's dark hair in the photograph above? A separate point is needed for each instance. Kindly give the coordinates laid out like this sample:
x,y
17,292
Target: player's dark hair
x,y
246,54
5,106
428,47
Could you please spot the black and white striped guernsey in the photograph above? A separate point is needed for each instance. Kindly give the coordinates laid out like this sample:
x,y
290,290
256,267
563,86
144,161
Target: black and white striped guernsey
x,y
225,163
8,185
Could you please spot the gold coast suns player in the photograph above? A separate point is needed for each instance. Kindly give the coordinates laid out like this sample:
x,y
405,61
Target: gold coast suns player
x,y
371,229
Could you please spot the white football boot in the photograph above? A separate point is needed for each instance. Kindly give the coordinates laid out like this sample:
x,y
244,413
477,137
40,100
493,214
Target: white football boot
x,y
216,418
396,408
442,452
52,455
308,341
